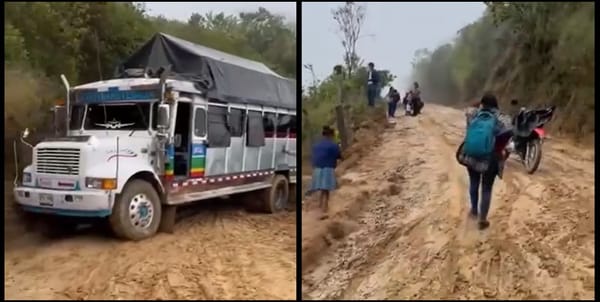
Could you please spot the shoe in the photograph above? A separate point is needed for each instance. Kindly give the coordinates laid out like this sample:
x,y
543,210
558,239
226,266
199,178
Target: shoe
x,y
473,214
483,224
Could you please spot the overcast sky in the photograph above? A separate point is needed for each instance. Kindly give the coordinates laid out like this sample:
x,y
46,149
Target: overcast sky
x,y
183,10
392,31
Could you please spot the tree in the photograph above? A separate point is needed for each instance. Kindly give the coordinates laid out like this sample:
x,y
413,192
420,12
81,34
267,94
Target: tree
x,y
270,36
196,19
541,53
312,89
87,40
14,46
350,18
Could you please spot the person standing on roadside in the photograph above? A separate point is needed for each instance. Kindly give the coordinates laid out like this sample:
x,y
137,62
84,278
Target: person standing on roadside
x,y
393,100
325,155
415,97
372,84
482,153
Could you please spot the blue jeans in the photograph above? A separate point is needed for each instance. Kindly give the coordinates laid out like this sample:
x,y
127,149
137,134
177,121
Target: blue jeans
x,y
486,180
371,94
392,108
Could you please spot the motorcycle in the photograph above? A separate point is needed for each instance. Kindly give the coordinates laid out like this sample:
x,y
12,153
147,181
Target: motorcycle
x,y
412,108
528,136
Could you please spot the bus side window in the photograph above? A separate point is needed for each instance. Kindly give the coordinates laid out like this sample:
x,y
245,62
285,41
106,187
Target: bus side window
x,y
256,133
269,121
283,124
293,126
236,122
200,122
218,133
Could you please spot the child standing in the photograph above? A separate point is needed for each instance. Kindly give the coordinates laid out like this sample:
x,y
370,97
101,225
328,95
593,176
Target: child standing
x,y
325,155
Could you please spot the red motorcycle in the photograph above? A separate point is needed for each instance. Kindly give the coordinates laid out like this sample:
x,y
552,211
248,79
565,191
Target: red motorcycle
x,y
528,135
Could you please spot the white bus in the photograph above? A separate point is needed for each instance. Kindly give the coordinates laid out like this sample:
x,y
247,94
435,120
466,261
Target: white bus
x,y
138,146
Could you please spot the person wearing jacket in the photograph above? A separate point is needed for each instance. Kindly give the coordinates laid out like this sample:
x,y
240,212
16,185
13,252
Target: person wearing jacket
x,y
393,100
482,172
372,84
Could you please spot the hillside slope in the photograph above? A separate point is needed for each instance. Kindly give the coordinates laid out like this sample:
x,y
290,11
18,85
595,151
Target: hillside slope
x,y
399,228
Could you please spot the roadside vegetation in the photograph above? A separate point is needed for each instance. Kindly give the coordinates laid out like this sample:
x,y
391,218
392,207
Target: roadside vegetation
x,y
86,41
541,53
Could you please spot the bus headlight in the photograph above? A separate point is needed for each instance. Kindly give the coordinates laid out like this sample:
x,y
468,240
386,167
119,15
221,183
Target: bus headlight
x,y
100,183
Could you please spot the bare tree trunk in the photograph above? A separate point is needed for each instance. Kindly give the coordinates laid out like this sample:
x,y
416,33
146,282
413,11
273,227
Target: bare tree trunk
x,y
341,125
350,18
341,119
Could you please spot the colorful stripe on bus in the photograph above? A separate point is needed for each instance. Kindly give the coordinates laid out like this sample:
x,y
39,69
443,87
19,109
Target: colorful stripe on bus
x,y
198,160
170,163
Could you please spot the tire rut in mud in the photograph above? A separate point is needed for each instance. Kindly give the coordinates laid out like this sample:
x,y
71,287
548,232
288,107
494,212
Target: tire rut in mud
x,y
540,244
342,271
218,251
520,244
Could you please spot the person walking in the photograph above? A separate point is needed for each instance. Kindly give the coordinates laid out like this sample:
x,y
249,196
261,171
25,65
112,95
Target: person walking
x,y
482,153
325,155
372,84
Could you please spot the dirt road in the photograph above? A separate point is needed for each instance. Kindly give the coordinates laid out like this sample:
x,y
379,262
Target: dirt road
x,y
218,251
400,228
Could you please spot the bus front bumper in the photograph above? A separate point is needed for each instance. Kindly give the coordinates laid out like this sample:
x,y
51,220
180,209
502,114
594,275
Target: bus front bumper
x,y
65,203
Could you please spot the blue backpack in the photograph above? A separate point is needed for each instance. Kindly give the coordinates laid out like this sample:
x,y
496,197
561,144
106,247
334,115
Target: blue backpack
x,y
480,138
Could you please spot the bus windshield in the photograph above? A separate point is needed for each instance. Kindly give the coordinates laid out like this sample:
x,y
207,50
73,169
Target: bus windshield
x,y
119,116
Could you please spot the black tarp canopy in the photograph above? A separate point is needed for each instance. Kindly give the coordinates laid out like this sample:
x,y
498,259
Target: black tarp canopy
x,y
223,76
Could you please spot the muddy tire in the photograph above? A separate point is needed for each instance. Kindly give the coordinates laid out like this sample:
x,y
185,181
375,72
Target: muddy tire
x,y
276,198
167,222
293,197
137,211
537,156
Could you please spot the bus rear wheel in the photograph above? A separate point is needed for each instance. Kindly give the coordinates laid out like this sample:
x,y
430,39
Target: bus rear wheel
x,y
275,199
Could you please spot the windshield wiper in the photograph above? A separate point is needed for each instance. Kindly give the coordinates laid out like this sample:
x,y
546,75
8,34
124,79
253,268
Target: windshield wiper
x,y
137,105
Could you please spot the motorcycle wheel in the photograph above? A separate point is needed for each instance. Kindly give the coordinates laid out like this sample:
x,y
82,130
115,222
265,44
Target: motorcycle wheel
x,y
533,156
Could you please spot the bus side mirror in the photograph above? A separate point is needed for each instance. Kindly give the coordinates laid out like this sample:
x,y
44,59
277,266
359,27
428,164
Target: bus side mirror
x,y
162,119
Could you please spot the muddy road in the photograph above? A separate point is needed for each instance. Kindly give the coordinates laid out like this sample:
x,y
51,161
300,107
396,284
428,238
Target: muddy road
x,y
400,228
218,251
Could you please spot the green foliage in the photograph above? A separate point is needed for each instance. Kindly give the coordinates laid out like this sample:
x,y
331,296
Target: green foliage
x,y
86,41
14,45
538,52
27,99
319,106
